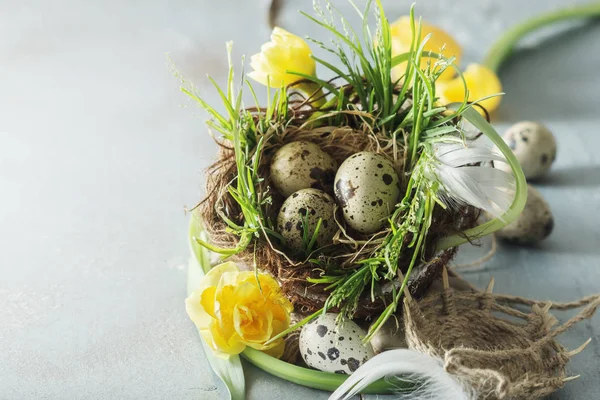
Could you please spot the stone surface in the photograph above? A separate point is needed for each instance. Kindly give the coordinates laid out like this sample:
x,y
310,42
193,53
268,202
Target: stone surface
x,y
97,161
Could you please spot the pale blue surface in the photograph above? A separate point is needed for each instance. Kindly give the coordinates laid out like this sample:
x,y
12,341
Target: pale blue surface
x,y
97,161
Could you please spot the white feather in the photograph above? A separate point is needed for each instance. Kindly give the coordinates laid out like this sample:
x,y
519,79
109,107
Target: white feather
x,y
482,186
427,373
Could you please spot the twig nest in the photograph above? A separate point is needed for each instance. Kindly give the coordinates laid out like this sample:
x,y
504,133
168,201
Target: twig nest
x,y
301,165
367,188
300,215
533,145
534,224
328,346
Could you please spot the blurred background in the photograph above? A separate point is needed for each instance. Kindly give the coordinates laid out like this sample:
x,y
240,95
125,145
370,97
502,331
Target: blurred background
x,y
100,153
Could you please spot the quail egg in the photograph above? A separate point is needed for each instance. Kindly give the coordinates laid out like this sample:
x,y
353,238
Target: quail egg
x,y
533,145
389,336
327,346
367,188
306,206
534,224
301,165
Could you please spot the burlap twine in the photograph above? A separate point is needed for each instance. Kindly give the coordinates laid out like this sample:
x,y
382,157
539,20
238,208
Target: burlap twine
x,y
490,345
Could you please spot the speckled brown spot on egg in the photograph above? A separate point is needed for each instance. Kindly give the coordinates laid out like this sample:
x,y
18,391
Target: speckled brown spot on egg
x,y
321,330
353,364
333,354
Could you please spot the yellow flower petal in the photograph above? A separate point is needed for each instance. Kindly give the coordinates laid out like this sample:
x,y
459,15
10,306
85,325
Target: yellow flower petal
x,y
214,275
207,301
224,343
439,42
195,310
234,309
481,82
253,326
285,52
193,303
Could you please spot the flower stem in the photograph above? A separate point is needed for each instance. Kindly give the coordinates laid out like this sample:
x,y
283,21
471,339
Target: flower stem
x,y
315,92
504,46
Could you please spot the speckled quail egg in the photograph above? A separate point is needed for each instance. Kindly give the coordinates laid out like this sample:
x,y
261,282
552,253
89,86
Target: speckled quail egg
x,y
307,205
533,145
327,346
301,165
367,188
534,224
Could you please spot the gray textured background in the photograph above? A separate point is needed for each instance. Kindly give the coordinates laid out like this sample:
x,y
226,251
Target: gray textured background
x,y
97,161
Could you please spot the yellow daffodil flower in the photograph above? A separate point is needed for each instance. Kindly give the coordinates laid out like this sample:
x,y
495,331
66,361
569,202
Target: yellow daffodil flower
x,y
439,42
481,82
233,309
285,52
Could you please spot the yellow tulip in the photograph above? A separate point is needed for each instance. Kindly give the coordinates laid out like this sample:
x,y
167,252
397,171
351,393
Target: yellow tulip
x,y
439,42
481,82
234,309
285,52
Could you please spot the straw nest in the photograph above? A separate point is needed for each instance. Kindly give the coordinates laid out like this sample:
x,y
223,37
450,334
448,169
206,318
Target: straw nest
x,y
349,246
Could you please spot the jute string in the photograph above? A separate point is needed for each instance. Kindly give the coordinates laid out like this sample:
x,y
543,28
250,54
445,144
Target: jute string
x,y
483,343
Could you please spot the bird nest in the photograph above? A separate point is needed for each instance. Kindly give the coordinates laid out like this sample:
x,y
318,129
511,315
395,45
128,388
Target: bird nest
x,y
490,344
349,246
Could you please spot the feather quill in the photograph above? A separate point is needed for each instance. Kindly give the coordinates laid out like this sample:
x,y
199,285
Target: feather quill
x,y
427,373
481,186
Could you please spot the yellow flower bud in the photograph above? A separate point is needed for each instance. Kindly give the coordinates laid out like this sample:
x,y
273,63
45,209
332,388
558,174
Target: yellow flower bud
x,y
285,52
481,82
234,309
439,42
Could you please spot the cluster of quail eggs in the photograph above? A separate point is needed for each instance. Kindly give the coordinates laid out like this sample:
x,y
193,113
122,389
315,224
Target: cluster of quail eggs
x,y
365,186
534,146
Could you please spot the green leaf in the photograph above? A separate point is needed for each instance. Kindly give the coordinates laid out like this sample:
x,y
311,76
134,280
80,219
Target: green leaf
x,y
230,371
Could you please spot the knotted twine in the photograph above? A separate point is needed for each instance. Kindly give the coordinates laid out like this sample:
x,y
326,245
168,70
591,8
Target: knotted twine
x,y
488,343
